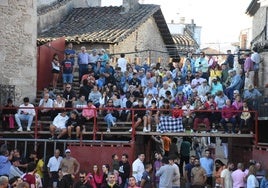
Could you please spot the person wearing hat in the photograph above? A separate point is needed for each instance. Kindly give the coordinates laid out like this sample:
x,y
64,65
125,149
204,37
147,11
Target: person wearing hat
x,y
71,164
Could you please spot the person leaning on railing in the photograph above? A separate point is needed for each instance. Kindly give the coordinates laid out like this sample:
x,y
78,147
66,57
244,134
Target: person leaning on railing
x,y
8,115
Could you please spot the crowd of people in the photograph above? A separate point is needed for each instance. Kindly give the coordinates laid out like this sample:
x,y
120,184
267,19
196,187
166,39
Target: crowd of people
x,y
174,167
199,90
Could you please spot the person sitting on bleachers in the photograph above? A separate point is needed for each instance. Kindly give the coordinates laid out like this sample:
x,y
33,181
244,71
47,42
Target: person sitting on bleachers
x,y
58,124
88,113
228,115
8,115
26,112
245,118
110,114
58,105
69,96
74,122
188,115
95,96
46,105
200,117
153,114
140,116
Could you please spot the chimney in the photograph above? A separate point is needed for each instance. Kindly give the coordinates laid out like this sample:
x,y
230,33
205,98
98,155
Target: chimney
x,y
130,5
182,20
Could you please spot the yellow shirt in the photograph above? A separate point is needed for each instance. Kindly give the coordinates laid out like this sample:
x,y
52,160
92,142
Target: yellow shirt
x,y
39,168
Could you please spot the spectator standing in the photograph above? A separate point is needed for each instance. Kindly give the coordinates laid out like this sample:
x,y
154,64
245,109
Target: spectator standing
x,y
53,168
83,61
198,175
55,70
122,62
187,169
132,182
251,177
264,181
239,176
67,70
256,58
146,180
5,158
230,59
26,112
208,164
156,166
124,170
226,178
69,50
73,166
185,153
138,167
166,174
249,71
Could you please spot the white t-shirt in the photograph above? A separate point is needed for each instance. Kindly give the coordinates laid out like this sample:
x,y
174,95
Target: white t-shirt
x,y
137,169
252,181
122,63
60,121
228,181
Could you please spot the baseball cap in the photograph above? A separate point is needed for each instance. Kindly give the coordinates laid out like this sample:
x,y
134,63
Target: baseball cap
x,y
67,151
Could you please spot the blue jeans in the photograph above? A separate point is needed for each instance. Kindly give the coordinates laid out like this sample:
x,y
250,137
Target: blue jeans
x,y
83,69
109,119
67,78
24,117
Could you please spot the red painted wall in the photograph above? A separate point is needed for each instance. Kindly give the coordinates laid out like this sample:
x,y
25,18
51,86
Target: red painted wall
x,y
90,155
44,57
261,156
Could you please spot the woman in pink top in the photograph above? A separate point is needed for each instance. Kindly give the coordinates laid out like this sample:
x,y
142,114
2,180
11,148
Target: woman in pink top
x,y
238,102
95,178
88,113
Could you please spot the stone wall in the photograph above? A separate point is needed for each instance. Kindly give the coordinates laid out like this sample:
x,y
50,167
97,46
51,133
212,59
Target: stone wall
x,y
147,36
258,23
18,46
263,76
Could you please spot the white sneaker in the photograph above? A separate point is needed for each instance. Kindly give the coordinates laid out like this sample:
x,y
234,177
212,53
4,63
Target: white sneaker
x,y
19,129
28,129
108,130
149,128
130,130
144,130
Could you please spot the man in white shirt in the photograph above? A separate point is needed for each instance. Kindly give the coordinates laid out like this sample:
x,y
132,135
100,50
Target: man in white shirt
x,y
138,167
256,58
122,63
53,168
26,112
59,124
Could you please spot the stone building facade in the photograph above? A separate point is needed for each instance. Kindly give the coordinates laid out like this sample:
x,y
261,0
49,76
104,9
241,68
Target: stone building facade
x,y
260,38
18,46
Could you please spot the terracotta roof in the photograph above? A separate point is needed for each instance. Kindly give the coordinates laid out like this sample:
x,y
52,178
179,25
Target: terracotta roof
x,y
105,25
184,42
